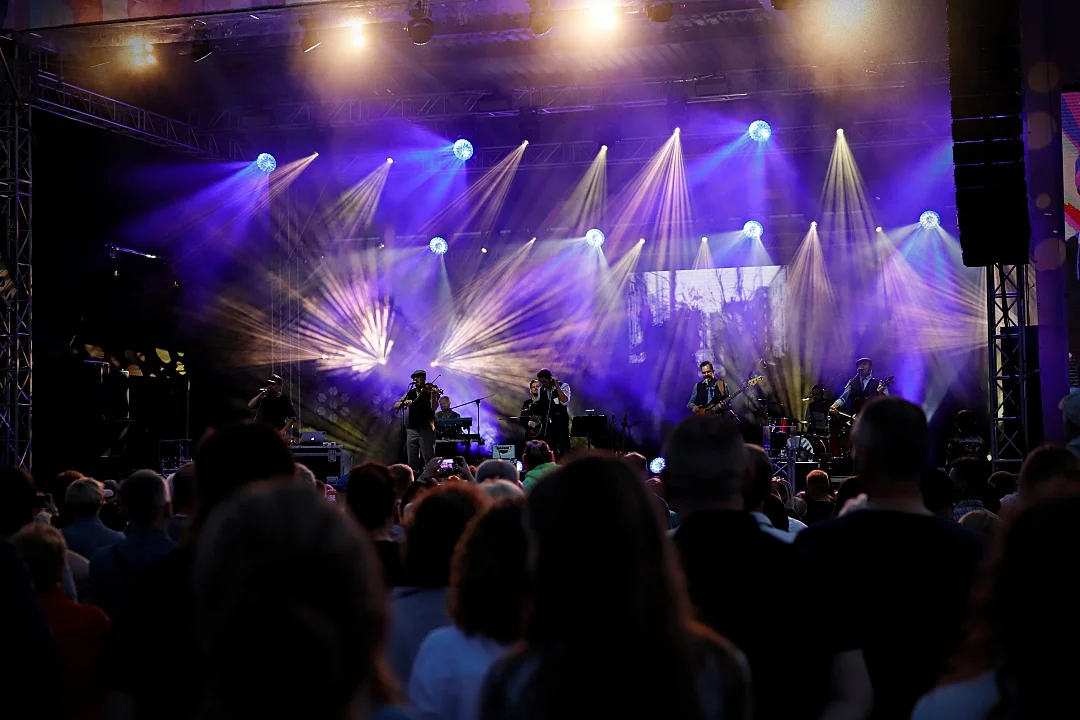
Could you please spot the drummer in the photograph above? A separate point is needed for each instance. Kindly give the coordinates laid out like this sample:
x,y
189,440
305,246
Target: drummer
x,y
817,412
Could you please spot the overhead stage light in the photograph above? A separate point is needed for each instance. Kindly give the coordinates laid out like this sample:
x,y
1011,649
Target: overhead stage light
x,y
659,12
759,131
840,132
929,220
356,33
389,161
142,52
438,245
201,48
421,27
595,238
704,239
752,229
657,465
309,39
541,19
601,15
877,229
266,162
463,149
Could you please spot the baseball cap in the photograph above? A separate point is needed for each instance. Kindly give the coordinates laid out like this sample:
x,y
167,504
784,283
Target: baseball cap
x,y
1070,407
274,379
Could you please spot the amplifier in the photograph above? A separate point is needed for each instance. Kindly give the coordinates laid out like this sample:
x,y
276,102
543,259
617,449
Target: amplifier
x,y
329,462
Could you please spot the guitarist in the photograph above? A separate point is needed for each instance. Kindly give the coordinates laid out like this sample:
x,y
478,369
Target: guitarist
x,y
861,388
708,391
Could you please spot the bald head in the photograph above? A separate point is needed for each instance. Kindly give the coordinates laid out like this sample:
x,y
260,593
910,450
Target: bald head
x,y
706,463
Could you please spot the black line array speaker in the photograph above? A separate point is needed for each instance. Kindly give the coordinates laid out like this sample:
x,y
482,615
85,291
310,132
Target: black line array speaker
x,y
986,82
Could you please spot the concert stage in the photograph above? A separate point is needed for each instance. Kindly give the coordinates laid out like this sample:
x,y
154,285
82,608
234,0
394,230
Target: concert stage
x,y
341,205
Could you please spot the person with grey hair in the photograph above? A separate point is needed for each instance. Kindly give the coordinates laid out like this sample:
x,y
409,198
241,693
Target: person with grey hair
x,y
86,534
739,577
502,489
305,475
143,497
905,574
495,469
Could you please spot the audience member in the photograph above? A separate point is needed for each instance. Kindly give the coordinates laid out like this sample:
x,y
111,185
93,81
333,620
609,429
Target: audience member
x,y
20,503
502,490
28,682
538,461
58,489
1070,416
639,464
305,475
114,568
739,577
1048,471
937,493
182,491
819,500
782,490
967,442
403,478
905,575
79,631
1004,483
1017,660
756,491
441,517
370,497
111,515
609,631
852,488
290,611
496,469
488,591
982,522
85,534
153,659
969,476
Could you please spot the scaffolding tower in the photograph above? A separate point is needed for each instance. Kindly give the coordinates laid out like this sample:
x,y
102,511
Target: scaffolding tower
x,y
16,260
1007,320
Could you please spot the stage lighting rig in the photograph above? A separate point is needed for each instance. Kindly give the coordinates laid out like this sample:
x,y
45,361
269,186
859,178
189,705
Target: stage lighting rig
x,y
657,465
659,12
929,220
421,27
463,149
200,46
595,238
438,246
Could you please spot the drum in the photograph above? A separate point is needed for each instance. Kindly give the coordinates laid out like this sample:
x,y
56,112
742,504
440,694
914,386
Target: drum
x,y
800,449
840,439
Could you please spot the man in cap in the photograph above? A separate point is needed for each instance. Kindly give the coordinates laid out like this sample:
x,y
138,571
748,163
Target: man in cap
x,y
421,400
273,408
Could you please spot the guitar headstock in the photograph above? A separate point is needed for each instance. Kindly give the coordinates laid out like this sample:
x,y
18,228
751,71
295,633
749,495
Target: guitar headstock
x,y
888,381
754,380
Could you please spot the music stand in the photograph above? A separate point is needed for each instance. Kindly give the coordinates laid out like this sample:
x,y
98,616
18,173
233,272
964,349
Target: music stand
x,y
588,426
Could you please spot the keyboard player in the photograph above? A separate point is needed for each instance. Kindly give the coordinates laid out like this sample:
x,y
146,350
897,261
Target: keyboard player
x,y
444,411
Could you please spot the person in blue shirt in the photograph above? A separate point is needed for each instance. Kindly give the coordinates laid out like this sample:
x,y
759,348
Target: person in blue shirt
x,y
86,534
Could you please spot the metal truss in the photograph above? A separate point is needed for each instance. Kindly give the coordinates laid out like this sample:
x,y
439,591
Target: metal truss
x,y
54,96
16,260
732,85
285,300
1007,320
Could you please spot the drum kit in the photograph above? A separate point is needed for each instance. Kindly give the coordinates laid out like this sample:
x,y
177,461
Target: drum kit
x,y
789,440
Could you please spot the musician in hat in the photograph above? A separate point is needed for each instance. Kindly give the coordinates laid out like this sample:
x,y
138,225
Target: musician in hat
x,y
273,408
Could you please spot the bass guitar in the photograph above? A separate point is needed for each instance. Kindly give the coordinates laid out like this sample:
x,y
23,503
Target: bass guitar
x,y
860,402
723,403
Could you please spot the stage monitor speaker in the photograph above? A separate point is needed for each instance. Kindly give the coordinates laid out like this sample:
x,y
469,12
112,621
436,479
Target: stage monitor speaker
x,y
985,82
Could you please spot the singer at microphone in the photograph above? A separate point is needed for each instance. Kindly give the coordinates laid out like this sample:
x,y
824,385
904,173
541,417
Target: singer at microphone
x,y
708,392
860,388
273,408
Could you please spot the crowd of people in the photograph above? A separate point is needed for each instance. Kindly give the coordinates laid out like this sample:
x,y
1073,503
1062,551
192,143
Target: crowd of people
x,y
243,587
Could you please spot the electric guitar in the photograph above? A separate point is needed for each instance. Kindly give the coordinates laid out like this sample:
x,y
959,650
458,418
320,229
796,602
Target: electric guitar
x,y
723,403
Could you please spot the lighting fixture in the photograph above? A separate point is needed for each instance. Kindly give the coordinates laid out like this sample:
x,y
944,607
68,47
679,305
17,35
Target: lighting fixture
x,y
659,12
463,149
753,229
266,162
759,131
657,465
595,238
421,27
438,245
309,39
541,18
929,220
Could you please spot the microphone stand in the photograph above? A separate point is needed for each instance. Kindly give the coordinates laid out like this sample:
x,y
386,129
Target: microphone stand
x,y
479,435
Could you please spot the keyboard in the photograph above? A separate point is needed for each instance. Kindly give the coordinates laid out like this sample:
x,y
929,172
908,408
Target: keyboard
x,y
447,425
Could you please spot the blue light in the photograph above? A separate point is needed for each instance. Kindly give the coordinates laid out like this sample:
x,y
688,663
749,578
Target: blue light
x,y
657,465
760,131
463,149
266,162
929,220
595,238
438,246
752,229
